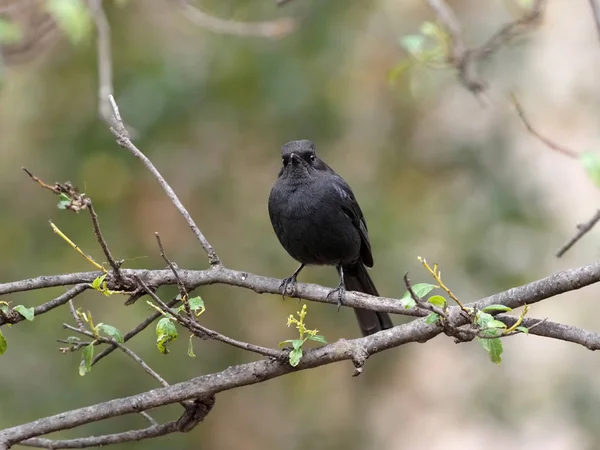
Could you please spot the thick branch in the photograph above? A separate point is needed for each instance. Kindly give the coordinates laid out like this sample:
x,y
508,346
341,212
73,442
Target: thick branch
x,y
356,350
530,293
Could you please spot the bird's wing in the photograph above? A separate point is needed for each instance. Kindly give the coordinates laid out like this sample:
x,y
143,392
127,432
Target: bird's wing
x,y
352,210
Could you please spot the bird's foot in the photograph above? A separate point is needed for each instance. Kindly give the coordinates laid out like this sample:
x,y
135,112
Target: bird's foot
x,y
289,282
341,292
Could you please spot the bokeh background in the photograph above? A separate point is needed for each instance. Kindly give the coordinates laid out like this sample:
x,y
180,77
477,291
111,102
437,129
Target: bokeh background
x,y
437,175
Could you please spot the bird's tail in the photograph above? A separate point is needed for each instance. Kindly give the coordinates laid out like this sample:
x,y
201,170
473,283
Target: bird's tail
x,y
356,278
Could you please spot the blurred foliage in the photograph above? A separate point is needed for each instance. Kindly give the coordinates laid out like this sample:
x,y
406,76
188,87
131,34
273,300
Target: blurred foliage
x,y
211,111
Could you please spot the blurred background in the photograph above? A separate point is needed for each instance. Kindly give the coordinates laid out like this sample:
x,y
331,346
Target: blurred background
x,y
436,173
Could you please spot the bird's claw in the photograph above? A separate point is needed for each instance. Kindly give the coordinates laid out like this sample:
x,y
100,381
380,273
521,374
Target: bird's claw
x,y
287,282
341,292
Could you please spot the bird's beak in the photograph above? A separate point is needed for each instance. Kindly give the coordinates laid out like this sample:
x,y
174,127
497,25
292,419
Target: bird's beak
x,y
294,158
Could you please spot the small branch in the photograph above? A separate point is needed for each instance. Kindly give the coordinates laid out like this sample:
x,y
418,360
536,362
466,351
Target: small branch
x,y
121,347
182,290
202,332
45,307
77,200
149,418
111,261
582,228
596,12
124,141
108,439
421,303
559,331
465,59
563,150
104,61
132,333
78,321
269,29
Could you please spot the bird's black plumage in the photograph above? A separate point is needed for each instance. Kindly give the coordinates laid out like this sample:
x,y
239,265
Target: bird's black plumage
x,y
319,222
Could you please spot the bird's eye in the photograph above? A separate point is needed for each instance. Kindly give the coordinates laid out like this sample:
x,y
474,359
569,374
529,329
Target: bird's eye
x,y
312,157
285,161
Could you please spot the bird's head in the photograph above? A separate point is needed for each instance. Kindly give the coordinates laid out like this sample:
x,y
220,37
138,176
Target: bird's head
x,y
300,160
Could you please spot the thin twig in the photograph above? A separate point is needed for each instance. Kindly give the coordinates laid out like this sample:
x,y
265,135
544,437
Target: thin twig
x,y
124,141
563,150
121,347
267,29
100,441
149,418
182,290
202,331
582,228
104,58
76,247
109,257
421,303
76,317
133,332
465,59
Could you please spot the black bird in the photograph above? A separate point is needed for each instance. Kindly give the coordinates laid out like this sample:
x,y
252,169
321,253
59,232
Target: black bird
x,y
318,222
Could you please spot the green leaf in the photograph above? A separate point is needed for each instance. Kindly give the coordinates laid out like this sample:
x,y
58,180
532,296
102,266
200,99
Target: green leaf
x,y
493,347
523,329
432,318
407,301
295,356
97,283
318,338
3,343
413,43
437,300
165,333
197,304
493,308
495,324
483,319
85,365
591,164
422,289
28,313
287,341
10,32
191,347
64,201
4,307
110,331
72,16
297,343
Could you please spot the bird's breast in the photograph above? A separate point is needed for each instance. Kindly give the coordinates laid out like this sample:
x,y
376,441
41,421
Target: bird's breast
x,y
311,225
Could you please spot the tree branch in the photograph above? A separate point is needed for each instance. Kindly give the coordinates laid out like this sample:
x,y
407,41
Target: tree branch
x,y
466,59
582,228
99,441
267,29
124,141
44,307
